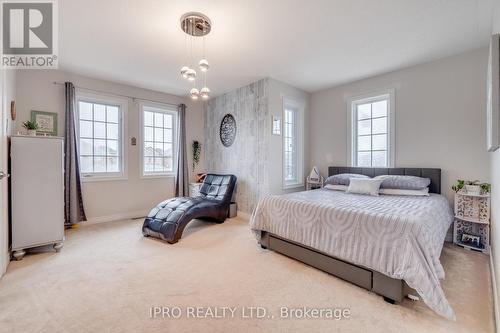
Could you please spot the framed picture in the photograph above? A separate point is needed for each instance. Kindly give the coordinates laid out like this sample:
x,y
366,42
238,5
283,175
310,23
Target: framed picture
x,y
493,90
276,121
472,240
47,122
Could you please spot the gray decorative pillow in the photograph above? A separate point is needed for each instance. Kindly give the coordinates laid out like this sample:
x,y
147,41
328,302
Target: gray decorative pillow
x,y
343,178
404,182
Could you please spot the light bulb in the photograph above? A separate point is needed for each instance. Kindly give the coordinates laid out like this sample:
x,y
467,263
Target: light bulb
x,y
194,93
191,74
204,92
184,70
203,64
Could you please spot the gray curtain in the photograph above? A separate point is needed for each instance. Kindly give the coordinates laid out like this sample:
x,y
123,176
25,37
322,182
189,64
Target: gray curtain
x,y
182,179
73,203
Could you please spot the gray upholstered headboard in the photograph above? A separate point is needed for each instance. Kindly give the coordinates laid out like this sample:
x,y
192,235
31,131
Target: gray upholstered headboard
x,y
433,174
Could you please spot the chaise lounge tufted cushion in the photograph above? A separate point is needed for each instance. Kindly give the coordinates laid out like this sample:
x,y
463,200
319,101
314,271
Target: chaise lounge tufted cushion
x,y
169,218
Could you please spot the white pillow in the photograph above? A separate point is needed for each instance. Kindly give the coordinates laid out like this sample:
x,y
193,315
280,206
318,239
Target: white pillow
x,y
336,187
364,186
392,191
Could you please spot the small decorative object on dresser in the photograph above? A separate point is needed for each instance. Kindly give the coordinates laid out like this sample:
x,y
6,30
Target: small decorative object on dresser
x,y
31,127
471,229
194,189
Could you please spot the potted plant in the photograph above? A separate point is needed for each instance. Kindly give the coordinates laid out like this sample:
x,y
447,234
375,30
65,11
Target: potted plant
x,y
31,127
472,187
196,153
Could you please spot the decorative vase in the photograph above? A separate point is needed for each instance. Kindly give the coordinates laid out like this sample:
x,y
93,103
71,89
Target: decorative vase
x,y
32,132
473,189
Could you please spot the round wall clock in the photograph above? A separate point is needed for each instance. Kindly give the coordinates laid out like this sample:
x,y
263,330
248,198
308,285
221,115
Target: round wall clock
x,y
227,130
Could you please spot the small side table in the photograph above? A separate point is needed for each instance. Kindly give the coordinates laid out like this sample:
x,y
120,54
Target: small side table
x,y
194,189
314,184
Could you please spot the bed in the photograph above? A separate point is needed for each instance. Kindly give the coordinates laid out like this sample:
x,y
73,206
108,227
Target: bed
x,y
387,244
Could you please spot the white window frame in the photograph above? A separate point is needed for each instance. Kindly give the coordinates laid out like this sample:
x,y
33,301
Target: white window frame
x,y
299,129
84,96
167,109
388,95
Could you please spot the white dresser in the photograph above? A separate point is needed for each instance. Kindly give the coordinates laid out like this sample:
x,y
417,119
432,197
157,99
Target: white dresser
x,y
37,182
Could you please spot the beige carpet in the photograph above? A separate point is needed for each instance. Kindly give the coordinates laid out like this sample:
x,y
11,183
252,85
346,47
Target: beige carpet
x,y
108,276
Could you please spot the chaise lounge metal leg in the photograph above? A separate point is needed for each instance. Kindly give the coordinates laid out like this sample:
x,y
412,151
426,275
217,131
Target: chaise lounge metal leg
x,y
19,254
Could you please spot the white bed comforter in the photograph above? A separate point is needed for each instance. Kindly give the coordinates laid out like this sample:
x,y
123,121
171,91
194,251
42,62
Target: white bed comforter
x,y
400,236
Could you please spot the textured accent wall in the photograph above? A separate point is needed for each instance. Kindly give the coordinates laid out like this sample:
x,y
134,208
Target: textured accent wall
x,y
247,158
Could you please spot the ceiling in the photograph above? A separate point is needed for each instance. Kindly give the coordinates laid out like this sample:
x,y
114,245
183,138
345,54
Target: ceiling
x,y
309,44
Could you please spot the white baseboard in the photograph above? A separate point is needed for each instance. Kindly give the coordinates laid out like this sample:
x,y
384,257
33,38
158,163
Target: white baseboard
x,y
116,217
496,306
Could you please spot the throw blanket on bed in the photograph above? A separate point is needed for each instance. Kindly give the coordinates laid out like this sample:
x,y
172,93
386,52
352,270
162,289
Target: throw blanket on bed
x,y
399,236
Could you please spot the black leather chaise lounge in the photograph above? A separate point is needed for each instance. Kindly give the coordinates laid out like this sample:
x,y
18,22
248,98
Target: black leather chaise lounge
x,y
169,218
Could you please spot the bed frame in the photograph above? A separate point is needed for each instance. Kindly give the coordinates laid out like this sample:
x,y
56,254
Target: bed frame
x,y
393,290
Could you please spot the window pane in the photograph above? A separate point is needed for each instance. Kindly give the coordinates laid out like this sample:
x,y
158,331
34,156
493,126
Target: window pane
x,y
112,131
168,135
85,110
86,164
364,159
85,129
148,119
364,127
112,114
159,164
113,164
379,142
167,148
99,112
169,166
158,148
364,143
148,149
99,164
148,164
168,120
364,111
100,130
379,109
159,134
100,147
379,125
112,148
158,119
379,159
148,133
86,146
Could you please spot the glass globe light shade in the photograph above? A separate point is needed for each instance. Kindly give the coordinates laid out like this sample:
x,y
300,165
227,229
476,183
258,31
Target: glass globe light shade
x,y
203,64
194,93
204,92
191,74
184,70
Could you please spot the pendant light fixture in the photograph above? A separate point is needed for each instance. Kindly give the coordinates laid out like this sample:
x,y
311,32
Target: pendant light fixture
x,y
196,25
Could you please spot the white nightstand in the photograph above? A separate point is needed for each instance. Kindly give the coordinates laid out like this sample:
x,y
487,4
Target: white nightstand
x,y
194,189
314,184
472,217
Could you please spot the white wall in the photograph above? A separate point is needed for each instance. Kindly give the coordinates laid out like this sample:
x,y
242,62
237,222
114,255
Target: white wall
x,y
108,199
495,205
277,91
440,118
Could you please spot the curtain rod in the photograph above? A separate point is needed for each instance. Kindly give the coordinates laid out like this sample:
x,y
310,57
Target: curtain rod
x,y
120,95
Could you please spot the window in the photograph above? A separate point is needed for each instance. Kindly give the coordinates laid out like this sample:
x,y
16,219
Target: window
x,y
292,144
159,140
100,133
372,131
